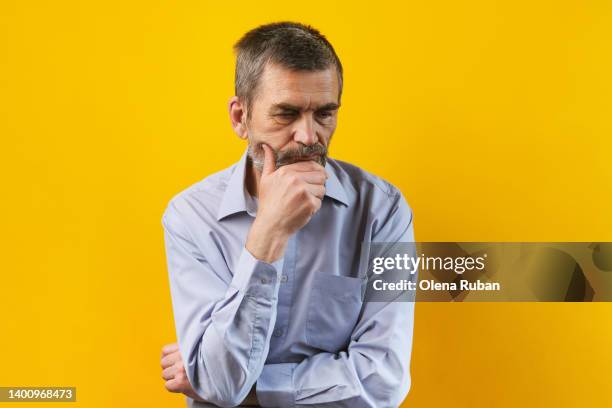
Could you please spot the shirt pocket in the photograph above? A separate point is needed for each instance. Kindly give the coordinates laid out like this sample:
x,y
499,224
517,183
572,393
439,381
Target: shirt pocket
x,y
333,311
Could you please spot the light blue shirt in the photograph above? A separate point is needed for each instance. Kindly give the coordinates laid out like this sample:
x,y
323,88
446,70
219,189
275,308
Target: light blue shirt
x,y
297,328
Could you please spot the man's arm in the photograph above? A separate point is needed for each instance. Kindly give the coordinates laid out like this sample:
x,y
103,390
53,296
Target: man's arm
x,y
374,370
332,390
223,328
224,325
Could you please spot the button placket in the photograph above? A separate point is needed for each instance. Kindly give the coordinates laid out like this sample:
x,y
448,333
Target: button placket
x,y
285,295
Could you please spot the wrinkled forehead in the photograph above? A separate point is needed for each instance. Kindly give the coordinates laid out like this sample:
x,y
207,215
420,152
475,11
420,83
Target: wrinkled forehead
x,y
303,89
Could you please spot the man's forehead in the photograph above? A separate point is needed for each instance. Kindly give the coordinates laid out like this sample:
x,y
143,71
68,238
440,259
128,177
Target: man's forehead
x,y
281,85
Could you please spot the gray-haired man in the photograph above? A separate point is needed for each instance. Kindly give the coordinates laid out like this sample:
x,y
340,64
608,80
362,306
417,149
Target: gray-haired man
x,y
264,257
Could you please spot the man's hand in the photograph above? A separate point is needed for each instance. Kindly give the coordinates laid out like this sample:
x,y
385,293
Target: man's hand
x,y
176,377
174,372
288,198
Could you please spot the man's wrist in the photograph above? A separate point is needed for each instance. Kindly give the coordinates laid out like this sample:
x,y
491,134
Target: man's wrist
x,y
266,244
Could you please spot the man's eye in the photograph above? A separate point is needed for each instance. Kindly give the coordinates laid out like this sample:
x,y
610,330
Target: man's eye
x,y
285,117
286,114
324,114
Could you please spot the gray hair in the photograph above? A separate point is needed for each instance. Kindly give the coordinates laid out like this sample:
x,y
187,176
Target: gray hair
x,y
291,45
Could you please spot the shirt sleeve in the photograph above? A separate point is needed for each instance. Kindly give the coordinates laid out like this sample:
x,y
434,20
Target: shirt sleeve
x,y
374,370
223,327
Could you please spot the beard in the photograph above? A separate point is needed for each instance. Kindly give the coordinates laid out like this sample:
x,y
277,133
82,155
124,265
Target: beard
x,y
316,152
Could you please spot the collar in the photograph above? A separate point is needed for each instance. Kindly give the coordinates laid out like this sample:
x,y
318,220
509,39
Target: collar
x,y
235,197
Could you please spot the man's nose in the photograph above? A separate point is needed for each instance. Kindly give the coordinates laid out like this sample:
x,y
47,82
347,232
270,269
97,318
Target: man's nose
x,y
304,131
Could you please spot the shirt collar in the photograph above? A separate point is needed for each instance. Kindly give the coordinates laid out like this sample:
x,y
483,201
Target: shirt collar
x,y
235,197
333,187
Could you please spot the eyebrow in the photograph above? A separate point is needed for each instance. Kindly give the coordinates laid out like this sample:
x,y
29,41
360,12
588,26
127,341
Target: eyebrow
x,y
288,106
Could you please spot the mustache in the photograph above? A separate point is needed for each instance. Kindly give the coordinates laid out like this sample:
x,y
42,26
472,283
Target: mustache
x,y
292,155
316,152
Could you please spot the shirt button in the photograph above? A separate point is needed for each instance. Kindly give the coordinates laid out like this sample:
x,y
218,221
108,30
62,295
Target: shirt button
x,y
277,333
264,281
284,278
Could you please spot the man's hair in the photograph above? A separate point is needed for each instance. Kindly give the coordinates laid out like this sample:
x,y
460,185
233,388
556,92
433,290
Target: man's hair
x,y
291,45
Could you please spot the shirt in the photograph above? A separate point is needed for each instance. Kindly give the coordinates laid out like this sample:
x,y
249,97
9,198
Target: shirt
x,y
298,328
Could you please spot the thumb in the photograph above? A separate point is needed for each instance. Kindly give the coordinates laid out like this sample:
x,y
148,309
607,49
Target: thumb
x,y
269,165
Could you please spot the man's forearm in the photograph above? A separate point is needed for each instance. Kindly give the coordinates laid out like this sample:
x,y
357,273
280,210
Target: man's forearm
x,y
225,341
366,375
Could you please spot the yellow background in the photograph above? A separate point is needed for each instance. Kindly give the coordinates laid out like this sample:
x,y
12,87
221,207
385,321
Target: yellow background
x,y
492,117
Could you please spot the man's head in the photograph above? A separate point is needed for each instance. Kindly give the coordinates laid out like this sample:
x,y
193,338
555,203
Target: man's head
x,y
288,88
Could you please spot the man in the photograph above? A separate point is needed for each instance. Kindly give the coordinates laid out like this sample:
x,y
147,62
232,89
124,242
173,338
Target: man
x,y
265,257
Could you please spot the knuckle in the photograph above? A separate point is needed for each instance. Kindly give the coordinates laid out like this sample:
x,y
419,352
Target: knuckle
x,y
292,179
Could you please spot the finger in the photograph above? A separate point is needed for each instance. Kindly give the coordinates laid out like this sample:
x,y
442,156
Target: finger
x,y
314,204
169,373
169,348
173,385
316,190
170,359
269,160
312,177
306,165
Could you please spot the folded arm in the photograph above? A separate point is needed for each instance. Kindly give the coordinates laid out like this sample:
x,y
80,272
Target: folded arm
x,y
374,370
223,325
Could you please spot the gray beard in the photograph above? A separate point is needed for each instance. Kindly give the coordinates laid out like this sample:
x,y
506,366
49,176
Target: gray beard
x,y
256,156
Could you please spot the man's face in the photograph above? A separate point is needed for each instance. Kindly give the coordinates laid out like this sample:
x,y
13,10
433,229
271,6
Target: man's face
x,y
295,113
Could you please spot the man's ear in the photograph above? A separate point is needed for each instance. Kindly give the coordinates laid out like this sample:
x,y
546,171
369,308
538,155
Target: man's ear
x,y
237,113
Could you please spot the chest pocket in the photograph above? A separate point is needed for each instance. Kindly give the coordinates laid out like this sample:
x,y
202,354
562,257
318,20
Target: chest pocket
x,y
333,310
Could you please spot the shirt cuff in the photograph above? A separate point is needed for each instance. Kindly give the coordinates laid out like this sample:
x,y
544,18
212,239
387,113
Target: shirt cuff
x,y
275,385
250,272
